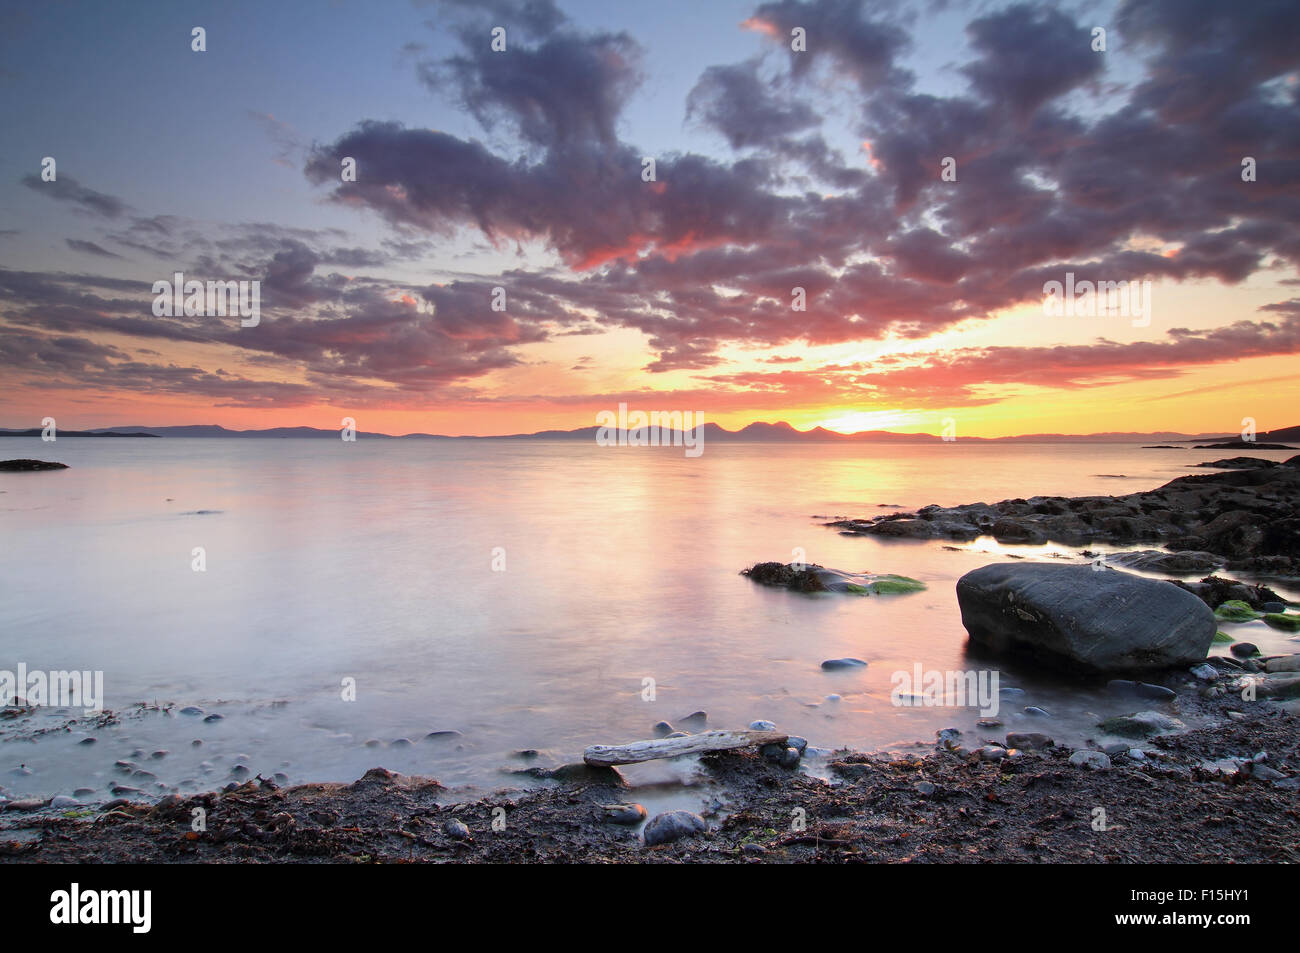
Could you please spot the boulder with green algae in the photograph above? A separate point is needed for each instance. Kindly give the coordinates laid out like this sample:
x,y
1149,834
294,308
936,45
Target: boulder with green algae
x,y
1234,610
1279,620
813,578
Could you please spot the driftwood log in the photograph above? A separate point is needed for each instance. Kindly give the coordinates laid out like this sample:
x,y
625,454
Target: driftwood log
x,y
607,756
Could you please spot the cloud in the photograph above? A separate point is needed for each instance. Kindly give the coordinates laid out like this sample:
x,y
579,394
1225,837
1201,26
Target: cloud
x,y
90,248
67,189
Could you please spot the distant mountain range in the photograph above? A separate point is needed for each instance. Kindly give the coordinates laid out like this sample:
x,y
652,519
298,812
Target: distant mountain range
x,y
754,433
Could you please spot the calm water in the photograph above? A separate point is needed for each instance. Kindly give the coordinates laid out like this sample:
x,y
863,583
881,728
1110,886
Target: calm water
x,y
374,561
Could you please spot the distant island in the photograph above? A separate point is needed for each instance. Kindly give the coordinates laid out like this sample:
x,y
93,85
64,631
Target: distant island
x,y
759,432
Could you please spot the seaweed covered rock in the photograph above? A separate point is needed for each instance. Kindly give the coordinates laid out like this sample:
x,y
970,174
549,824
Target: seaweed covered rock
x,y
812,578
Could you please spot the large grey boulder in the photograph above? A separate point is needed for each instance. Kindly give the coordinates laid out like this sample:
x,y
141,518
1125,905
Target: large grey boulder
x,y
1083,619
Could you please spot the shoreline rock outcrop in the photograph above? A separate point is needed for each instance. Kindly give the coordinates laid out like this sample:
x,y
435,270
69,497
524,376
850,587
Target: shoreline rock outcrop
x,y
1085,620
1248,518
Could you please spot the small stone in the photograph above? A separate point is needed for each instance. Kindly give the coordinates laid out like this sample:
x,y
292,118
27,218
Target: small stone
x,y
26,804
662,729
761,725
679,734
624,813
401,743
1029,740
1137,754
789,758
1094,760
86,741
991,753
447,734
1244,649
696,720
924,788
832,697
799,744
988,723
455,829
213,717
191,710
1204,672
83,792
158,754
672,826
1270,607
1116,748
1237,715
240,771
1038,712
948,737
1141,724
834,664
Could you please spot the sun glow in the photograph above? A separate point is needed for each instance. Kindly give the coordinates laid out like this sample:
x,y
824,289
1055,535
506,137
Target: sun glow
x,y
867,420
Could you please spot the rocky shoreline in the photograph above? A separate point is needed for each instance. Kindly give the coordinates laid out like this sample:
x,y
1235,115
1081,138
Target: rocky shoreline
x,y
1223,792
1246,520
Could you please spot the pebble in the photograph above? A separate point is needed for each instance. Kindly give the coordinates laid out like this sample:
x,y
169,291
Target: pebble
x,y
1204,672
191,710
401,742
213,717
240,771
988,723
83,792
1137,754
1029,740
456,829
832,664
948,737
373,743
26,804
1244,649
624,813
1116,748
159,754
671,826
1273,607
1120,686
799,744
1096,760
87,741
789,758
679,734
662,729
696,719
1038,712
924,788
761,725
445,735
991,753
832,697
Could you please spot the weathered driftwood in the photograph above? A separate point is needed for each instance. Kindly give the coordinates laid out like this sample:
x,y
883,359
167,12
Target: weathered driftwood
x,y
606,756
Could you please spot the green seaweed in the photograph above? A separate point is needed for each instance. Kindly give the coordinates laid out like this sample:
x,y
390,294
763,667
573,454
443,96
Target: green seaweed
x,y
1234,610
1287,623
1222,636
892,585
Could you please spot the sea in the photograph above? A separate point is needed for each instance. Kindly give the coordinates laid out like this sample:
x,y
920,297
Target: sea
x,y
473,610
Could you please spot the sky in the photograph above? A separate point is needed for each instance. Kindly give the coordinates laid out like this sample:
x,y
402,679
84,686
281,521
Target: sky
x,y
853,220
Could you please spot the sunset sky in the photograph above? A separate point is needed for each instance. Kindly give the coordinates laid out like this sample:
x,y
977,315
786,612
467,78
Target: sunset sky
x,y
774,169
